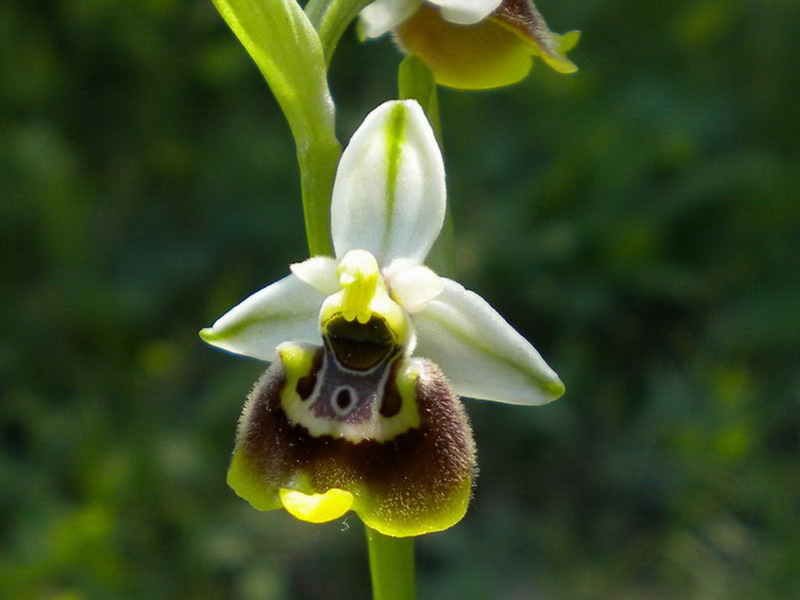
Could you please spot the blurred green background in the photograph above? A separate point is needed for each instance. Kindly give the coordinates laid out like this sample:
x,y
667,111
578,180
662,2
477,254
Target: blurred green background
x,y
638,221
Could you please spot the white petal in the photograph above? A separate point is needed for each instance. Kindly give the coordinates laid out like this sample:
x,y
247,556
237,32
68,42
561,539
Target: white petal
x,y
384,15
287,310
412,286
319,272
480,353
389,194
466,12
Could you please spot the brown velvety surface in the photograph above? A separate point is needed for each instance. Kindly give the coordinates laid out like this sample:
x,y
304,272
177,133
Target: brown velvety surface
x,y
420,472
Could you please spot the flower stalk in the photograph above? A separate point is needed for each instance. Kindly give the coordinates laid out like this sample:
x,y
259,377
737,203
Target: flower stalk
x,y
391,565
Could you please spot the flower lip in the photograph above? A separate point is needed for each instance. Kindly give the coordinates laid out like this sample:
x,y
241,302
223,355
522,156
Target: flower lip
x,y
406,469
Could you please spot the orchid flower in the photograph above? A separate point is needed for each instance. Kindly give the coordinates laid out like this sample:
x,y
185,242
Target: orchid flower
x,y
370,350
471,44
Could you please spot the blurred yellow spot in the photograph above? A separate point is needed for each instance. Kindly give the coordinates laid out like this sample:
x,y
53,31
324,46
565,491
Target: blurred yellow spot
x,y
158,358
705,22
734,442
316,508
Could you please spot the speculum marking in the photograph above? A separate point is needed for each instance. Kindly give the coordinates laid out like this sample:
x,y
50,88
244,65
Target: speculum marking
x,y
306,384
359,346
392,399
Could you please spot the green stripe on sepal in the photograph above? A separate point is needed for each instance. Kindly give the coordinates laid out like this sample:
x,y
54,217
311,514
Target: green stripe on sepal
x,y
389,194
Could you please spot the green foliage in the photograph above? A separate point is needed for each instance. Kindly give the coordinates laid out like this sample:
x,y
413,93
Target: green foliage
x,y
638,221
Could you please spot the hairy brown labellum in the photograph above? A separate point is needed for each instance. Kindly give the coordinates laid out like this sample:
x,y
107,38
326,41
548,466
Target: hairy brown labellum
x,y
410,472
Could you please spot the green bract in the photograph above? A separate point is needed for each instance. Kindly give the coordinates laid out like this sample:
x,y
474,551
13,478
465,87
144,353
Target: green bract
x,y
283,43
372,349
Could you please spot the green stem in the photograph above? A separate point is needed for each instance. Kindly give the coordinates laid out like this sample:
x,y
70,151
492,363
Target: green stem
x,y
331,18
391,564
318,164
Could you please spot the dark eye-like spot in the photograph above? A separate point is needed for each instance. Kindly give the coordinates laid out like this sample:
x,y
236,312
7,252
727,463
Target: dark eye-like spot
x,y
359,346
392,400
306,384
344,399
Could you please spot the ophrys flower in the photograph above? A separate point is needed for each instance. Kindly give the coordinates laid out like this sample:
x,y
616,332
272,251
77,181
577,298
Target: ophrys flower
x,y
471,43
356,410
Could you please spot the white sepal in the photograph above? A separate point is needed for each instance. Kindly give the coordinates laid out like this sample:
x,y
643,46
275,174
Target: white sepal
x,y
319,272
481,354
466,12
389,193
412,285
285,310
382,16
